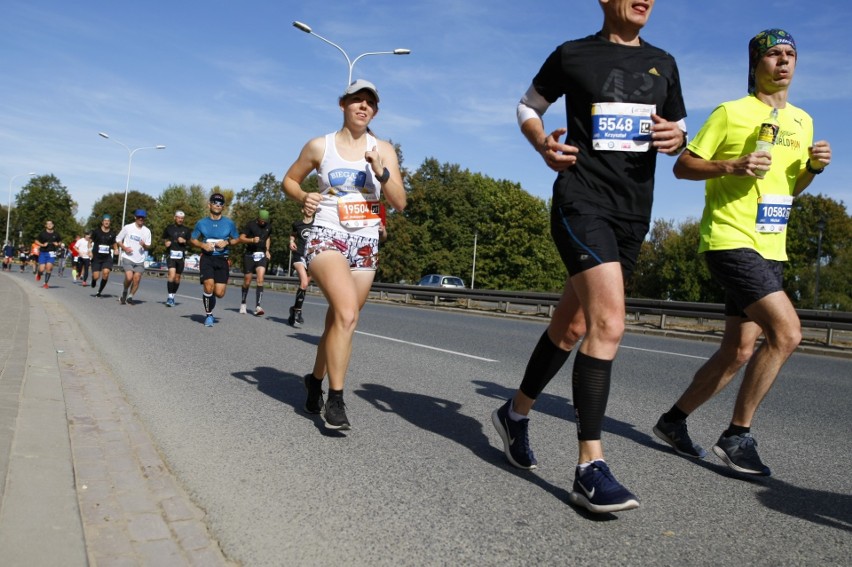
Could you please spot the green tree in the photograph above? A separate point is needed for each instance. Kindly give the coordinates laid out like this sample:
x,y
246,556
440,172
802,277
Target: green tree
x,y
836,247
266,194
669,266
43,198
447,208
192,200
112,204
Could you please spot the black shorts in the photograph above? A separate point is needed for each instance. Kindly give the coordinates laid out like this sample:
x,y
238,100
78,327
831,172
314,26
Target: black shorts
x,y
101,264
587,239
746,277
176,263
250,264
215,267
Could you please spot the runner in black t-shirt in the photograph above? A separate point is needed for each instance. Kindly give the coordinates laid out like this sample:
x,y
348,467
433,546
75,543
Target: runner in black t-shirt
x,y
176,237
256,236
624,105
104,248
48,241
297,246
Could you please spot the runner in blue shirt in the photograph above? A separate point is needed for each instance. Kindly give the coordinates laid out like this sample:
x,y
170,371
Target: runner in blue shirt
x,y
213,235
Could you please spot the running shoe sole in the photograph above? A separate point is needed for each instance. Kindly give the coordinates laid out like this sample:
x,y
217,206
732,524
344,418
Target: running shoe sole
x,y
580,500
727,460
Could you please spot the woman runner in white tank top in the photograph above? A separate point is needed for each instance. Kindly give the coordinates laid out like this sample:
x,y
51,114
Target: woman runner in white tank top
x,y
341,252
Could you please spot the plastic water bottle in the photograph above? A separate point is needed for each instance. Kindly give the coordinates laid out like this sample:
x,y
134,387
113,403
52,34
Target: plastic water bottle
x,y
767,135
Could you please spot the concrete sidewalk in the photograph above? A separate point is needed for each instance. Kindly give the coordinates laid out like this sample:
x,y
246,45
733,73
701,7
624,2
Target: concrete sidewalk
x,y
81,481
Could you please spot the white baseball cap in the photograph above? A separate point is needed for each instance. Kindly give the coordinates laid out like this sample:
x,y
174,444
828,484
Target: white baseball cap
x,y
361,85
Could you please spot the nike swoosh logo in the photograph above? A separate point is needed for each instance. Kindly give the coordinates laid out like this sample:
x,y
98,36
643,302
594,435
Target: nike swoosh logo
x,y
589,494
508,435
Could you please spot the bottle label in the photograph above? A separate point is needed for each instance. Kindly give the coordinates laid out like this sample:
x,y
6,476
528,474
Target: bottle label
x,y
773,212
768,133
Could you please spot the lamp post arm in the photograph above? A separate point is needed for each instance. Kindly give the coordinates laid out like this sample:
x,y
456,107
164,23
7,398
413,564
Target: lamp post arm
x,y
340,49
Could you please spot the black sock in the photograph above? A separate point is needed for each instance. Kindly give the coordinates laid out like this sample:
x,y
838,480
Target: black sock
x,y
590,384
258,295
674,414
735,430
102,285
546,360
300,298
245,294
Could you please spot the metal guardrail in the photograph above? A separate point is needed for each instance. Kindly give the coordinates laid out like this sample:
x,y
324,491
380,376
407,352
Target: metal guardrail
x,y
543,304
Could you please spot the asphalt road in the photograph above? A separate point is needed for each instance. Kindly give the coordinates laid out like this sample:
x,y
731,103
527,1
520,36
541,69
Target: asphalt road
x,y
421,478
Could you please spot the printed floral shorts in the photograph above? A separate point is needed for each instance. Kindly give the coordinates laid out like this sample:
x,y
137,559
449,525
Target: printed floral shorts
x,y
362,253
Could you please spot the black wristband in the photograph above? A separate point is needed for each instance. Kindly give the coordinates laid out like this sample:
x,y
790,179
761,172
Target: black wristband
x,y
383,178
812,170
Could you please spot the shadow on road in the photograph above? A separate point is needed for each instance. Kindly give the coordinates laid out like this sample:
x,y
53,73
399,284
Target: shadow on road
x,y
443,417
816,506
562,408
285,387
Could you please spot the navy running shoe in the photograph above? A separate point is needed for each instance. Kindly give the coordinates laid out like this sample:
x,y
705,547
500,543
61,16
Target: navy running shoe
x,y
676,435
740,453
596,490
516,442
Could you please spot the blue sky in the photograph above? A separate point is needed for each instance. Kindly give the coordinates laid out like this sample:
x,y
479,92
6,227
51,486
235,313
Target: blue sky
x,y
234,90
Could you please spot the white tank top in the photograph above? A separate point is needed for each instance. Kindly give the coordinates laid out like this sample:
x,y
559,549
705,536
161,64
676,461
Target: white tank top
x,y
350,192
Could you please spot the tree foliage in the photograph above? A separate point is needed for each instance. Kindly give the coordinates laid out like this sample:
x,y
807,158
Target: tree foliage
x,y
448,208
112,204
266,194
44,198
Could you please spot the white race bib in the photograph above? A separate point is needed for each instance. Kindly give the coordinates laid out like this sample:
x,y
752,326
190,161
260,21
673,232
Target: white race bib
x,y
103,248
258,256
773,212
622,126
356,212
176,254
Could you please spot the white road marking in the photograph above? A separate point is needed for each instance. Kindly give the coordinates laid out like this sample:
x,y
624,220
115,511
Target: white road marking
x,y
666,352
427,346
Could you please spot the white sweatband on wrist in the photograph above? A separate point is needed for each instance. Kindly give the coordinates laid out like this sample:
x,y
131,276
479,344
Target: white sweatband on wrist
x,y
531,105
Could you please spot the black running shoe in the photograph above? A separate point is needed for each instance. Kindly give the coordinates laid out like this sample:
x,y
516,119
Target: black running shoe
x,y
676,435
334,413
314,402
740,453
299,318
123,298
291,320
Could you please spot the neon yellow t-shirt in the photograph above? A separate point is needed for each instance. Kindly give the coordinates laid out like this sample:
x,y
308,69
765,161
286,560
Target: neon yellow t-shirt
x,y
731,201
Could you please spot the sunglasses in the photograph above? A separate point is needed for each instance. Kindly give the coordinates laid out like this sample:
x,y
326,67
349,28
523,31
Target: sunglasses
x,y
219,203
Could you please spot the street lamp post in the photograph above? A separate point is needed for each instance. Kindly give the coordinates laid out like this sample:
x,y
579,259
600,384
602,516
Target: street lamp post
x,y
129,164
9,210
820,227
307,29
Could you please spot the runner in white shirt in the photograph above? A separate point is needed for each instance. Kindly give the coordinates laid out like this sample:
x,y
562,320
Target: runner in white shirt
x,y
134,241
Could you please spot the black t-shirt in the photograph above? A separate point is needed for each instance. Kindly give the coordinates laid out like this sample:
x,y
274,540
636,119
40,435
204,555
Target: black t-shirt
x,y
103,243
594,70
50,241
175,231
254,228
299,230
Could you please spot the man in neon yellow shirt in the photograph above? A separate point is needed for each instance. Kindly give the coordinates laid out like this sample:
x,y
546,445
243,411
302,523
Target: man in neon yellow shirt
x,y
748,198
